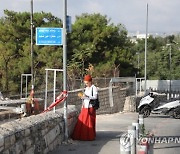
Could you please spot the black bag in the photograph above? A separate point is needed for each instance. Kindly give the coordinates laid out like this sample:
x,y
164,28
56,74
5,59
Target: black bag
x,y
94,102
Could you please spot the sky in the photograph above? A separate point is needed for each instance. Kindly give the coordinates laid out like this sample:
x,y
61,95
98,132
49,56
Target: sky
x,y
163,15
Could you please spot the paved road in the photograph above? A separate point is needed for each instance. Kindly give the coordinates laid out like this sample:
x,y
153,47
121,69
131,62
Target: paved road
x,y
111,127
167,131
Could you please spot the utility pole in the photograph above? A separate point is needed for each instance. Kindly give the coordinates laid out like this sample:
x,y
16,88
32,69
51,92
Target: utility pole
x,y
32,63
65,64
170,70
170,76
145,61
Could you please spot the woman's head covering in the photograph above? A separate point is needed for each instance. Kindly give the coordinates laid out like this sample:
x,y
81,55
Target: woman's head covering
x,y
87,78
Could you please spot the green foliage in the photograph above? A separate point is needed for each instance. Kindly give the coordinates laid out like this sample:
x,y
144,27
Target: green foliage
x,y
158,57
95,46
96,41
15,57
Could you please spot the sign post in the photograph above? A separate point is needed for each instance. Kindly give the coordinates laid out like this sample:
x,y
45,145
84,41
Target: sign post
x,y
65,64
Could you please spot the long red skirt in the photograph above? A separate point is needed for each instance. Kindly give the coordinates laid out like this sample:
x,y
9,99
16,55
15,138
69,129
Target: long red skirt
x,y
85,128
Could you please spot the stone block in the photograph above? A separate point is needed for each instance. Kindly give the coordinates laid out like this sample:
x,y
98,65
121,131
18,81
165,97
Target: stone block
x,y
1,141
7,142
30,150
51,135
6,152
44,131
51,147
1,149
46,150
27,132
12,139
19,135
28,142
19,148
37,148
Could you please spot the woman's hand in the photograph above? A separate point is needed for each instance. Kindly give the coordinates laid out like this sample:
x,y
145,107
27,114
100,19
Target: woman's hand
x,y
81,95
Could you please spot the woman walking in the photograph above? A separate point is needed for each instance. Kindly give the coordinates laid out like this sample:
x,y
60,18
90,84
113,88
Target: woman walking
x,y
85,126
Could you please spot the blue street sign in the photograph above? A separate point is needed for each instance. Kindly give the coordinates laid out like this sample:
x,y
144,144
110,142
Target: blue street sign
x,y
49,36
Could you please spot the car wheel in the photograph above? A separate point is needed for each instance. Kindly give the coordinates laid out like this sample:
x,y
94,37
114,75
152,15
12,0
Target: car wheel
x,y
176,115
171,112
146,111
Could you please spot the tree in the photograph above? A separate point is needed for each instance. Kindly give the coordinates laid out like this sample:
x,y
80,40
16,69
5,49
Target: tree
x,y
95,46
15,47
96,41
158,58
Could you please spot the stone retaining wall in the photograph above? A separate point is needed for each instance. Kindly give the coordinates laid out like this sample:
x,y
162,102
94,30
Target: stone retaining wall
x,y
36,134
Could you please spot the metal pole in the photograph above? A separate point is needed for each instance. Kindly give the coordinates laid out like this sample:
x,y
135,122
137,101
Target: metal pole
x,y
26,86
132,135
111,94
65,65
138,63
45,103
54,99
136,87
170,71
141,125
145,73
21,85
140,84
136,124
32,63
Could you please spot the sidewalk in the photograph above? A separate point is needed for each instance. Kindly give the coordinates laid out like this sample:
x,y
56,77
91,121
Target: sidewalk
x,y
109,128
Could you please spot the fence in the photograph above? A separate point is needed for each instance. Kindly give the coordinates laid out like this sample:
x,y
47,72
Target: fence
x,y
162,85
72,84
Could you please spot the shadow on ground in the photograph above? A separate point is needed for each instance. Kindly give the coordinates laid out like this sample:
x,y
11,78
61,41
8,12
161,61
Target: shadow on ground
x,y
159,116
108,138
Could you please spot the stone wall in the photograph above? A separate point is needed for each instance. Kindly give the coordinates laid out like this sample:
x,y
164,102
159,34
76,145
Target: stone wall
x,y
36,134
119,96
